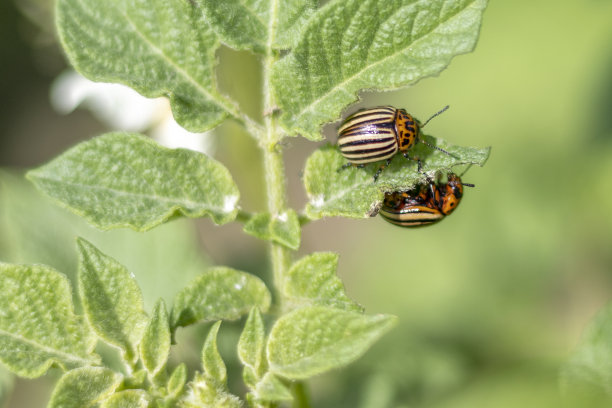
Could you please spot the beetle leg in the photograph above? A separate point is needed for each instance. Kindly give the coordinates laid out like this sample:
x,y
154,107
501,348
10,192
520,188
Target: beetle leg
x,y
381,168
419,163
344,166
420,167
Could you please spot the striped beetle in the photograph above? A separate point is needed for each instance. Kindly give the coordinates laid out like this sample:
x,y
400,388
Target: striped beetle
x,y
424,204
371,135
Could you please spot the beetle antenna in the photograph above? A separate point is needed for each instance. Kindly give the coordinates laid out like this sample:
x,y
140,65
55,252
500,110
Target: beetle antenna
x,y
434,115
437,148
462,173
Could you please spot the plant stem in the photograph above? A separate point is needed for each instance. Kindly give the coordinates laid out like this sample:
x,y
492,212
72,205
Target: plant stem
x,y
300,395
274,169
276,181
243,216
277,205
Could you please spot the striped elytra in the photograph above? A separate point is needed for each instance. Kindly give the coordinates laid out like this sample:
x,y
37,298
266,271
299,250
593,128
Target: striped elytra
x,y
375,134
424,204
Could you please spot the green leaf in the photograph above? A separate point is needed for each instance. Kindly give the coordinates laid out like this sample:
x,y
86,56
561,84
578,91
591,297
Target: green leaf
x,y
136,379
284,229
158,47
351,192
33,230
292,16
349,45
588,373
84,387
128,399
38,326
202,394
313,280
245,24
127,180
155,343
214,367
241,24
177,380
251,348
219,294
111,299
315,339
271,388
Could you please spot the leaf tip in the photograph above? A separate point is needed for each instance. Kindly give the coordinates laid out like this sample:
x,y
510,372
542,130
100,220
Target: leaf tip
x,y
31,175
82,243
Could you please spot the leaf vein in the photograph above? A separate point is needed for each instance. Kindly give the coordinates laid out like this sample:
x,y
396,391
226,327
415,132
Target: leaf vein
x,y
172,63
186,203
52,351
357,74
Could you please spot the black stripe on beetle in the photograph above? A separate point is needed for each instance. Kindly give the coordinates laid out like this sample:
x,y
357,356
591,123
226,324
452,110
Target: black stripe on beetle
x,y
424,204
369,128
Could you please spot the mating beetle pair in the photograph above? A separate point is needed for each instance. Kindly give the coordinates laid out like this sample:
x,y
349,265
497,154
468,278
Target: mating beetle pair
x,y
376,134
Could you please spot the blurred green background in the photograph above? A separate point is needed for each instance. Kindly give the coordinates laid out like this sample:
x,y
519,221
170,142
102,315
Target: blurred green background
x,y
491,301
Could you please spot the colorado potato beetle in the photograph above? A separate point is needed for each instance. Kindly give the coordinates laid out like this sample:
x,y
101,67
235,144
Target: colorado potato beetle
x,y
424,204
376,134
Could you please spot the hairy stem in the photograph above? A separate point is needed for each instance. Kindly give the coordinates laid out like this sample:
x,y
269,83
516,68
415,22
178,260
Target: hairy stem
x,y
276,181
274,168
277,205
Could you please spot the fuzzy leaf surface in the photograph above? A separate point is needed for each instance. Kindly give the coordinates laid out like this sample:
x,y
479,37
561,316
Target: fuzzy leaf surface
x,y
29,219
135,380
246,24
214,367
128,180
84,387
313,280
352,192
202,393
284,230
111,299
350,45
177,380
251,348
38,326
292,17
220,293
315,339
158,47
271,388
128,399
155,343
